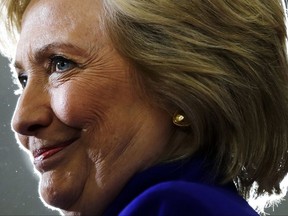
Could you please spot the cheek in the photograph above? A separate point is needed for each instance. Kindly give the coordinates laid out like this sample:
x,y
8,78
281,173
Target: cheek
x,y
77,105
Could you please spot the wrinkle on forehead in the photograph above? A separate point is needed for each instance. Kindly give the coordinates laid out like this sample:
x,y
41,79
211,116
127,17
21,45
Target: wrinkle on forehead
x,y
60,21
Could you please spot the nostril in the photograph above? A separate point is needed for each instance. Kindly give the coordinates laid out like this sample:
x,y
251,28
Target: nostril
x,y
34,127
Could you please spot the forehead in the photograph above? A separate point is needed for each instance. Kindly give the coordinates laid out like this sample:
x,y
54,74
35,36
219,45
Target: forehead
x,y
67,10
56,21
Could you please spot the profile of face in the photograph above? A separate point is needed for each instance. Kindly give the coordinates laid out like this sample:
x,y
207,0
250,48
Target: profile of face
x,y
80,117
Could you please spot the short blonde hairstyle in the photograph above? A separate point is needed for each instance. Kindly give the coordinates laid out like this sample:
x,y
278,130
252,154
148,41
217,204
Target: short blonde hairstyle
x,y
223,64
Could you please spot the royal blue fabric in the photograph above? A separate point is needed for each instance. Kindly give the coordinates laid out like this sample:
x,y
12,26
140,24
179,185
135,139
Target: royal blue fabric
x,y
178,188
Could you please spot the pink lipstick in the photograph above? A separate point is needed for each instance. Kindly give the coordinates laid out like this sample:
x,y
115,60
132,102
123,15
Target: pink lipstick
x,y
43,153
48,157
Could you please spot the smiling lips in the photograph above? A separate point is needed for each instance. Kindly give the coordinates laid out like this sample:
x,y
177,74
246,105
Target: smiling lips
x,y
46,152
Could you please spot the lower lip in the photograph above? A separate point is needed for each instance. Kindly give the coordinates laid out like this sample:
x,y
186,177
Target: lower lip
x,y
51,158
48,153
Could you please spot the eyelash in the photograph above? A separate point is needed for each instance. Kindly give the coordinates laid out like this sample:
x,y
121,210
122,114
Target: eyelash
x,y
23,80
55,60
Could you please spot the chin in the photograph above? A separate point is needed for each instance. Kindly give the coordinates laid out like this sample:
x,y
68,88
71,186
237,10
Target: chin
x,y
60,211
66,197
58,195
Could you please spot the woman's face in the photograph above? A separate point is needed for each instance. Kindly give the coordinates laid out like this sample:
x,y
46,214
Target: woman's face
x,y
79,116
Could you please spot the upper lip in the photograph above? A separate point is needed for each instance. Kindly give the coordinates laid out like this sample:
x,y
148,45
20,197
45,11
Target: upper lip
x,y
39,151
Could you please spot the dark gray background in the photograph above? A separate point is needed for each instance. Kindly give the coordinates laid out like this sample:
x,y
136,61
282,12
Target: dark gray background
x,y
18,183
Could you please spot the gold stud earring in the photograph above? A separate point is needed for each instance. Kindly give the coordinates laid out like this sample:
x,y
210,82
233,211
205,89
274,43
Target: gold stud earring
x,y
180,120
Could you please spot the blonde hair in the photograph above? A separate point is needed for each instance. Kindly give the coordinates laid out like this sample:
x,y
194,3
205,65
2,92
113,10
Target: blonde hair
x,y
223,64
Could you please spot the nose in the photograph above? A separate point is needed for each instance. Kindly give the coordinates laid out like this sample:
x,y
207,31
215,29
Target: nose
x,y
32,112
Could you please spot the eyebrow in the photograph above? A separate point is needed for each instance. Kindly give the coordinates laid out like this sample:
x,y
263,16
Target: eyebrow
x,y
42,52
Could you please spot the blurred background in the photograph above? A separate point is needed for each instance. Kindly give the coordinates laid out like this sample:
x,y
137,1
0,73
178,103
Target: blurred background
x,y
18,182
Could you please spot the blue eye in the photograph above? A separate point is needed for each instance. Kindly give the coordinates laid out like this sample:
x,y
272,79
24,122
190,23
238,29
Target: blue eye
x,y
61,64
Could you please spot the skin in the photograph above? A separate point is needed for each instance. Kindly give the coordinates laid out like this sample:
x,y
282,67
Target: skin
x,y
85,94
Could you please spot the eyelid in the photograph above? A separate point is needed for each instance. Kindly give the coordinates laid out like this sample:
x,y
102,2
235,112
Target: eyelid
x,y
54,58
24,76
58,56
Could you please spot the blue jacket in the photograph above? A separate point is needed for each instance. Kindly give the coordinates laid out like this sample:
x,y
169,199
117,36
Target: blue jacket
x,y
178,188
